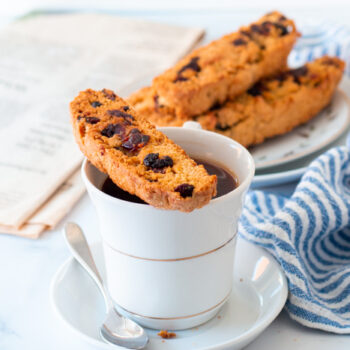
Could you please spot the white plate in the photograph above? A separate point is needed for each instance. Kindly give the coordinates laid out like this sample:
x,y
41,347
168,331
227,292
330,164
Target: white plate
x,y
292,171
306,139
259,294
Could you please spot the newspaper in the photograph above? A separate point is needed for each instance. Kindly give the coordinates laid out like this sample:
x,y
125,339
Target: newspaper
x,y
45,62
52,211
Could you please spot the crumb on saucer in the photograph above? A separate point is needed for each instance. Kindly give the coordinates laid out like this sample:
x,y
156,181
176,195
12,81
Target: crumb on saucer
x,y
166,335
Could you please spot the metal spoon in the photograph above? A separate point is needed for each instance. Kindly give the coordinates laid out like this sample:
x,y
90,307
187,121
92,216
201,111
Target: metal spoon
x,y
116,329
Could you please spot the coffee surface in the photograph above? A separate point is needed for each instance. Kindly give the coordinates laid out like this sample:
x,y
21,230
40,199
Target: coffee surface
x,y
227,182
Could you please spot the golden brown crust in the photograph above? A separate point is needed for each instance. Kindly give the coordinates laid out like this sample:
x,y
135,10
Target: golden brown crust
x,y
277,105
117,140
271,107
226,67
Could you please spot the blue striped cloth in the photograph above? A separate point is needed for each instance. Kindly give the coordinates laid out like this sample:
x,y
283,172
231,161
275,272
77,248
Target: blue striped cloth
x,y
309,234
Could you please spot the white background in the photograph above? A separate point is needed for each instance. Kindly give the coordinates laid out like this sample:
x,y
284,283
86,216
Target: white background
x,y
337,9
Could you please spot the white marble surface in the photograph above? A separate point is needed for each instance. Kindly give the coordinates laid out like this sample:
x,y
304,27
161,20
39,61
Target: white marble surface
x,y
26,267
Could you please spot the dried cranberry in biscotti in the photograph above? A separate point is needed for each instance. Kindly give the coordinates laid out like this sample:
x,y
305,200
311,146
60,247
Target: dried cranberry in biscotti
x,y
92,120
109,94
135,140
239,42
192,65
185,190
96,104
121,114
114,129
153,161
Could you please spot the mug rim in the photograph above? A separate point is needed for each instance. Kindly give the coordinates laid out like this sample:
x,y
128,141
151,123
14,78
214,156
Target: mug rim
x,y
236,191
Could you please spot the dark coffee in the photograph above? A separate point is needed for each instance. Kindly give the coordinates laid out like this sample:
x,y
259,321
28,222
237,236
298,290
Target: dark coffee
x,y
109,187
227,182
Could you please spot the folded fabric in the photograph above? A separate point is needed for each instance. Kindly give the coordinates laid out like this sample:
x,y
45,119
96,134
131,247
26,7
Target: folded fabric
x,y
309,235
319,39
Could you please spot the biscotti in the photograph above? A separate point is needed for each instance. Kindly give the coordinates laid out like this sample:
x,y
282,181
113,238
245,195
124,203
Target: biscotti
x,y
271,107
226,67
146,103
277,105
138,158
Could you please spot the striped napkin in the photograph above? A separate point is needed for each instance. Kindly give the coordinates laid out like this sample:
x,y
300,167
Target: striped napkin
x,y
309,234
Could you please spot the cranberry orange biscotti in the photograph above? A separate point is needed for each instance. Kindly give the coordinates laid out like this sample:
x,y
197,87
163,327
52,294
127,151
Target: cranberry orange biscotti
x,y
226,67
271,107
277,105
138,158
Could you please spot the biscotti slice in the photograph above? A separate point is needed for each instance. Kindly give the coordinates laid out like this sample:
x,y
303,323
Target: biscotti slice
x,y
146,103
277,105
137,157
226,67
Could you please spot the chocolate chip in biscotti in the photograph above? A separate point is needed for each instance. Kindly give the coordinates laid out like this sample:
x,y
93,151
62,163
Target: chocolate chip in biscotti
x,y
114,129
239,42
92,120
153,161
109,94
185,190
126,108
135,140
96,104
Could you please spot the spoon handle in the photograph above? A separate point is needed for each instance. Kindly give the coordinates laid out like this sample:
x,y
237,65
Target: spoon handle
x,y
79,248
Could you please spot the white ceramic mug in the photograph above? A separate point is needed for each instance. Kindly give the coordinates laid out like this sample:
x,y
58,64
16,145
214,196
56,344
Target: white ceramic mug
x,y
168,269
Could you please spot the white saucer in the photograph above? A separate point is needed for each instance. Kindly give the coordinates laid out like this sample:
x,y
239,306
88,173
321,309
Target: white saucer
x,y
259,293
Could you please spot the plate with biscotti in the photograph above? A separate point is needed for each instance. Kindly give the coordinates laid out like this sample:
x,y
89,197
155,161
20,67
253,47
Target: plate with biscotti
x,y
280,114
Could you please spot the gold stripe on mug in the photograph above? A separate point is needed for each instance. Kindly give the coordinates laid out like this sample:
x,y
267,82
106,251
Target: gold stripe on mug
x,y
179,317
169,260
